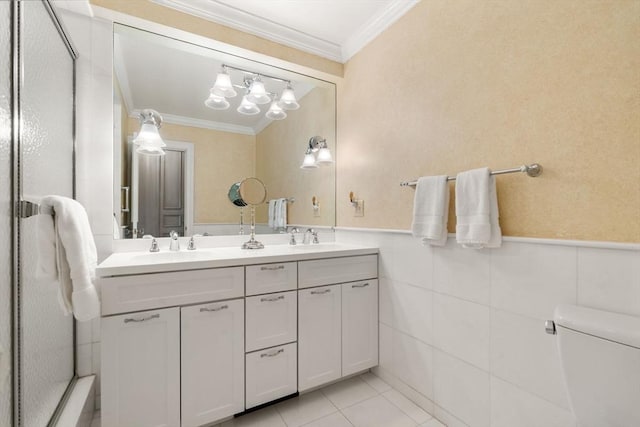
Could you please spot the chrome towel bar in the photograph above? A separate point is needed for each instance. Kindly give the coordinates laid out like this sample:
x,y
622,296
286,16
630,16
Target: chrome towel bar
x,y
27,209
533,170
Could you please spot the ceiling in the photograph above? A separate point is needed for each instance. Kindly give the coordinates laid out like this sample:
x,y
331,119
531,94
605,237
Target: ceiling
x,y
334,29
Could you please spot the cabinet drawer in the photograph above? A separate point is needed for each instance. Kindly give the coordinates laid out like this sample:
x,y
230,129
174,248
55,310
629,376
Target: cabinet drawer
x,y
337,270
141,292
271,320
262,279
271,374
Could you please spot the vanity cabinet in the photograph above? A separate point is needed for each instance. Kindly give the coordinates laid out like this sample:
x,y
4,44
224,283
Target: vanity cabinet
x,y
212,361
191,348
141,369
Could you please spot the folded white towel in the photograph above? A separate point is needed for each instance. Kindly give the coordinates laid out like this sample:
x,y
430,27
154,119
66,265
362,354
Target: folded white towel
x,y
272,213
67,254
477,210
430,210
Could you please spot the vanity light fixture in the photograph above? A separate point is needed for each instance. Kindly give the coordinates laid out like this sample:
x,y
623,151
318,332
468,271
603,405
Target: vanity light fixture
x,y
255,93
148,139
317,144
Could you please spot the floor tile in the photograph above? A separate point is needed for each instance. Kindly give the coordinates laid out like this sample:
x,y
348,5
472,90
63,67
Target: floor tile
x,y
305,408
377,412
349,392
415,412
432,423
333,420
376,382
267,417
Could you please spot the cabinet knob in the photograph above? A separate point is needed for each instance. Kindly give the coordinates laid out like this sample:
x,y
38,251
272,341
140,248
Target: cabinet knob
x,y
153,316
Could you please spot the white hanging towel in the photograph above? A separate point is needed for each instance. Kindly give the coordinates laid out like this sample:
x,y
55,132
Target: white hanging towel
x,y
67,254
272,213
281,213
477,210
430,210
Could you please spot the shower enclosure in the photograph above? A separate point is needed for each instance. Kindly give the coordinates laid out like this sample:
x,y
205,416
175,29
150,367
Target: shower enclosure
x,y
37,98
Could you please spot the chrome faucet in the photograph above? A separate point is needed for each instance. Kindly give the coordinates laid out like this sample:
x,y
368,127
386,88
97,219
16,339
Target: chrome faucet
x,y
307,235
293,231
154,245
315,237
174,245
192,242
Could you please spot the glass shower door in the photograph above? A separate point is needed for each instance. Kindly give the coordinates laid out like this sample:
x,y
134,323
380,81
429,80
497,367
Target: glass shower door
x,y
45,166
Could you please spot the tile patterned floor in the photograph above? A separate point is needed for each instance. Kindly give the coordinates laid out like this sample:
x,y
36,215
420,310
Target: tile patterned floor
x,y
363,401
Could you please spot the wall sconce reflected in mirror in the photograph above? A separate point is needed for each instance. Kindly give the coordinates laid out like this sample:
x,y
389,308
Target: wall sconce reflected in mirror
x,y
317,144
148,139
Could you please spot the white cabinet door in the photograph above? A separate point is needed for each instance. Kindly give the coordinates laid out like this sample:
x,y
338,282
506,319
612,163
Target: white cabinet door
x,y
271,374
141,369
212,361
359,326
271,320
319,336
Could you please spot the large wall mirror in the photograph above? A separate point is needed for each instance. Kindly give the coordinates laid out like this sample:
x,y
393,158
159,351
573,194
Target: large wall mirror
x,y
210,149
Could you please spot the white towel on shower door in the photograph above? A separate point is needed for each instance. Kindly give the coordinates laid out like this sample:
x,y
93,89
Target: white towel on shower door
x,y
67,254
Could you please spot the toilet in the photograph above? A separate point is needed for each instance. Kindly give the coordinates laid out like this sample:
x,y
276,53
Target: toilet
x,y
600,354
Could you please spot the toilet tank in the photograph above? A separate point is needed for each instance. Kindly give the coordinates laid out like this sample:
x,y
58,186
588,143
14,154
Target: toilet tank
x,y
600,354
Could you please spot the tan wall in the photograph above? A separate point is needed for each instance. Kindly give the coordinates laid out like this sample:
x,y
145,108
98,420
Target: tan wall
x,y
221,158
455,85
280,148
163,15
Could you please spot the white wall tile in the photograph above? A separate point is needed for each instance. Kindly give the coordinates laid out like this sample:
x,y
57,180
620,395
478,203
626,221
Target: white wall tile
x,y
84,360
410,393
83,333
386,301
414,412
462,389
384,242
532,279
413,311
524,355
95,330
609,280
461,328
412,262
463,273
96,363
413,363
512,406
385,354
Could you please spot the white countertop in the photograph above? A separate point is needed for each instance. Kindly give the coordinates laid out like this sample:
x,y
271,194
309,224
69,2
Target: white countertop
x,y
125,263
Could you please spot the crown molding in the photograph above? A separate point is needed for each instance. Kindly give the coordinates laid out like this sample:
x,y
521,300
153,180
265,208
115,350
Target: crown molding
x,y
248,23
375,26
199,123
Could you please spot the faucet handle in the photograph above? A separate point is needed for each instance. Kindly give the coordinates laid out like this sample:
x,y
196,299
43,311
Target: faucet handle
x,y
173,234
154,246
192,244
315,237
293,231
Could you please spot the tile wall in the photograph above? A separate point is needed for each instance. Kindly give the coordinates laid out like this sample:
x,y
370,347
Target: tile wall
x,y
462,331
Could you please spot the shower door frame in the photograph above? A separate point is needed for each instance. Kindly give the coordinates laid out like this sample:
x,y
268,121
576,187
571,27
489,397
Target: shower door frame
x,y
16,135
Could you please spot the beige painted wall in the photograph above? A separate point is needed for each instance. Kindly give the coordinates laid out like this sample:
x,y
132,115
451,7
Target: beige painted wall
x,y
162,15
221,158
455,85
280,148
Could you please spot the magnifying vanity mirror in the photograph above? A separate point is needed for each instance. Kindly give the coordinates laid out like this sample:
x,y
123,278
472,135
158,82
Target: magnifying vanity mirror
x,y
210,141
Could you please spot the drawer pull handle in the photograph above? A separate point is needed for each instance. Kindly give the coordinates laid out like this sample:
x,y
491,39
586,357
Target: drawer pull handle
x,y
222,307
277,267
153,316
272,354
271,299
363,285
326,291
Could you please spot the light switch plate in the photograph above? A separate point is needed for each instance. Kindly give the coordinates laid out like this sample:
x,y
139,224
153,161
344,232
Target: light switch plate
x,y
358,208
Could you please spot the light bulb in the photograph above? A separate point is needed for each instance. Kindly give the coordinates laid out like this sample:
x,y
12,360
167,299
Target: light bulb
x,y
223,86
216,102
257,93
324,157
247,107
275,112
288,99
149,150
